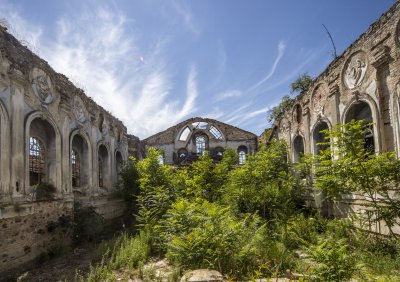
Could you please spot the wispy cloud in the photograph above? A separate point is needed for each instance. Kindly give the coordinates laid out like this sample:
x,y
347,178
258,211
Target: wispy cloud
x,y
98,51
186,14
228,94
281,51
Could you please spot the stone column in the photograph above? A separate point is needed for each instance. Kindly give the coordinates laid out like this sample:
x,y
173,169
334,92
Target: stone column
x,y
17,136
381,58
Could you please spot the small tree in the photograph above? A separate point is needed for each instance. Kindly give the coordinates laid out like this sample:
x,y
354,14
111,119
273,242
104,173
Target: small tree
x,y
351,167
276,112
301,84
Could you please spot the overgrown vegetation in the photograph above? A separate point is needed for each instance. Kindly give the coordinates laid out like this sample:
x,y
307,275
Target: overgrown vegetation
x,y
301,84
250,221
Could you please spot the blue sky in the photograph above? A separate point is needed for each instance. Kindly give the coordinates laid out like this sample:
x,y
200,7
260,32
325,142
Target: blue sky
x,y
154,63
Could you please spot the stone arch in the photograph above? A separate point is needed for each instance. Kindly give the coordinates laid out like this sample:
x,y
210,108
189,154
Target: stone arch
x,y
364,98
103,166
43,127
318,136
361,110
298,148
4,151
80,142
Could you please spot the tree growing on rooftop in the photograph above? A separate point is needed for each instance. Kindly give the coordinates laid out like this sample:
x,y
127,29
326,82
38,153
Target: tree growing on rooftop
x,y
301,84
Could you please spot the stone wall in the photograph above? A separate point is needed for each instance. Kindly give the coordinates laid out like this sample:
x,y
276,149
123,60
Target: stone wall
x,y
25,230
180,145
51,133
362,83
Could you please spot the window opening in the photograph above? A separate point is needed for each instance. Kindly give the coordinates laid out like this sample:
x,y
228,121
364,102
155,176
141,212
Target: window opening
x,y
100,172
76,168
36,161
184,135
200,144
215,132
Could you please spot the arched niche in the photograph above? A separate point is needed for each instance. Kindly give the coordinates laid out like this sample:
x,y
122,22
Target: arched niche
x,y
362,111
103,167
80,161
298,148
119,162
320,137
297,114
43,153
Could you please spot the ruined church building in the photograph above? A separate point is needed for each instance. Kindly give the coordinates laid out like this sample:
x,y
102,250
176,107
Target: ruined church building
x,y
51,132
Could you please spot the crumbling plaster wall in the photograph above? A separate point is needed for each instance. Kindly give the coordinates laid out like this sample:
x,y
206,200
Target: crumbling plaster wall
x,y
37,101
232,137
367,73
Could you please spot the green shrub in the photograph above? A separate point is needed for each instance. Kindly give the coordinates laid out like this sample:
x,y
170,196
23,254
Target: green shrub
x,y
334,261
207,235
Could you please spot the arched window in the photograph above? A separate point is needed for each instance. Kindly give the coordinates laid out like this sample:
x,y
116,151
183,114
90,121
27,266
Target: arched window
x,y
320,138
36,161
362,111
76,168
218,153
161,159
81,166
242,151
298,148
104,168
200,144
184,135
215,132
182,153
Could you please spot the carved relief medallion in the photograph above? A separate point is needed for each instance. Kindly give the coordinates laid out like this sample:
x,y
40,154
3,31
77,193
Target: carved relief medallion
x,y
318,98
104,128
79,110
41,88
355,69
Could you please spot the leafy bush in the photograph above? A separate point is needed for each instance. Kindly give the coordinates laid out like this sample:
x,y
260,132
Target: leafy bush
x,y
351,167
206,235
156,190
334,261
265,184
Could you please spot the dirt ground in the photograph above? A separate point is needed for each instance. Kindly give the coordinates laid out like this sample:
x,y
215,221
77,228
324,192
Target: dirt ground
x,y
62,268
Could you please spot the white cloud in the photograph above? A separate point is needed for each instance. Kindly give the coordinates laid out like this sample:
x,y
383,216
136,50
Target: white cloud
x,y
228,94
100,53
184,11
281,51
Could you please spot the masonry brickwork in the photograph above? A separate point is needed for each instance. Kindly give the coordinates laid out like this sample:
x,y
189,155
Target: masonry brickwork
x,y
362,83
